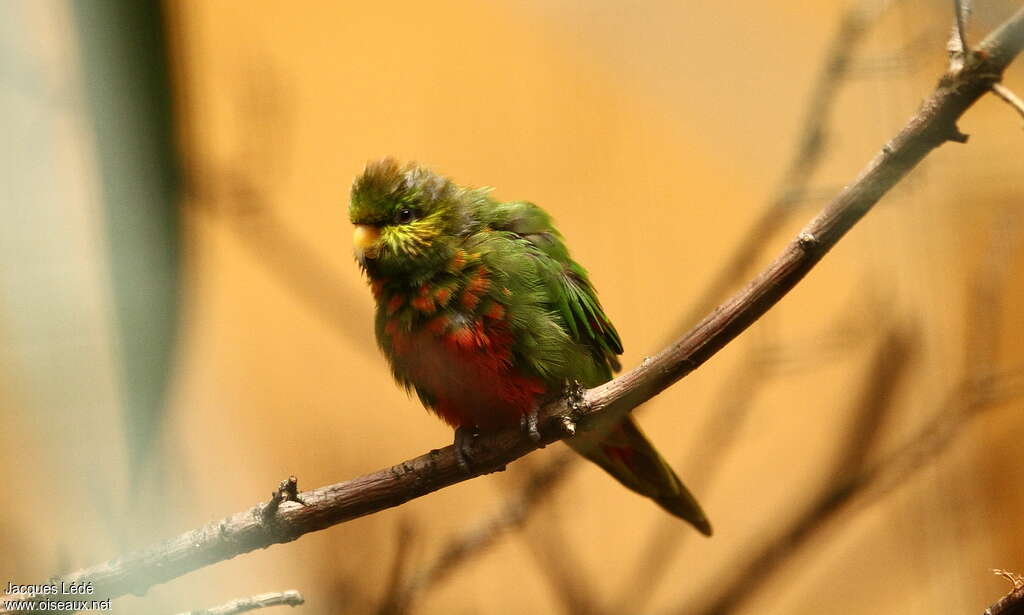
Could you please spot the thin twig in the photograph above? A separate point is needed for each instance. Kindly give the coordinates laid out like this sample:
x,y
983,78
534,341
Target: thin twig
x,y
962,10
957,45
930,127
1009,97
260,601
1016,580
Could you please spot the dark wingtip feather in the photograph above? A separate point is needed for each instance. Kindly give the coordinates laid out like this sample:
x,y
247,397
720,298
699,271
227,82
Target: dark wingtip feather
x,y
686,508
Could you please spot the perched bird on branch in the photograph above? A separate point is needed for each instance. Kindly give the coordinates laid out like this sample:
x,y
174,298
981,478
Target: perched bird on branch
x,y
482,312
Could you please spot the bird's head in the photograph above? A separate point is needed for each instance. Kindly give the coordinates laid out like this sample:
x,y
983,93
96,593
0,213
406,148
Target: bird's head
x,y
407,219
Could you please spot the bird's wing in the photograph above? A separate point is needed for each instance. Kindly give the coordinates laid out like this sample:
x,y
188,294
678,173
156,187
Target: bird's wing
x,y
571,293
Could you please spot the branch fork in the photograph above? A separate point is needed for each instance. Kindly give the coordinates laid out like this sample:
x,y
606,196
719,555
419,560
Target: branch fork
x,y
961,54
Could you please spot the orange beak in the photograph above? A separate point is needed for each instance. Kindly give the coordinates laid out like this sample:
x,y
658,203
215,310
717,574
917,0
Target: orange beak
x,y
364,238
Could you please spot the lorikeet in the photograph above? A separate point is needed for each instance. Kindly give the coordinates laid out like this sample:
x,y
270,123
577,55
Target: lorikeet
x,y
482,312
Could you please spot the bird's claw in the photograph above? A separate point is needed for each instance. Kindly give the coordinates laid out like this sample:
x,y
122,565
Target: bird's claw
x,y
464,437
573,394
529,424
568,426
576,405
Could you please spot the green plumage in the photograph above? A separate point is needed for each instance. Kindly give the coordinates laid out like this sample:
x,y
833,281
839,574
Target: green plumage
x,y
483,313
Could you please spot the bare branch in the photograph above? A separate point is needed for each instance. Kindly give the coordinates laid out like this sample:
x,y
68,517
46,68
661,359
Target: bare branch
x,y
1016,580
260,601
933,125
1010,604
957,45
962,13
1013,602
1011,99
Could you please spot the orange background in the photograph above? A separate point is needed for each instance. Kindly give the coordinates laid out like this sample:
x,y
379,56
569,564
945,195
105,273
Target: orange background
x,y
654,132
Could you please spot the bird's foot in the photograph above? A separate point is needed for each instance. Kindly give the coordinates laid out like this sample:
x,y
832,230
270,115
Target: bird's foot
x,y
528,423
573,395
464,437
568,426
576,404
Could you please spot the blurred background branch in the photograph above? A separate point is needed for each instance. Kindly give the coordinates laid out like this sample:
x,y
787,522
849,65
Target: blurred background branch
x,y
237,194
854,472
724,428
934,124
597,112
812,144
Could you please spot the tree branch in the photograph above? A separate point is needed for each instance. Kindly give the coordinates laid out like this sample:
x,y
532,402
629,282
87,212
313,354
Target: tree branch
x,y
957,45
260,601
1013,602
933,125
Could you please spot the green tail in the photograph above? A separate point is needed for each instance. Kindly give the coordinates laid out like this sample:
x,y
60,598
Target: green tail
x,y
625,453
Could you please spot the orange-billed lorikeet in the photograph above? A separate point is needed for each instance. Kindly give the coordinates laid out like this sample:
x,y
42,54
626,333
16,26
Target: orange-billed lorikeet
x,y
482,312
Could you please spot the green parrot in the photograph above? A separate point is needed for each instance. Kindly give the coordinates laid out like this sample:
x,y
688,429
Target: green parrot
x,y
482,312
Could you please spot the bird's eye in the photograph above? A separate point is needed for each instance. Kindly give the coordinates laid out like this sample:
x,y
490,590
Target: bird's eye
x,y
404,216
